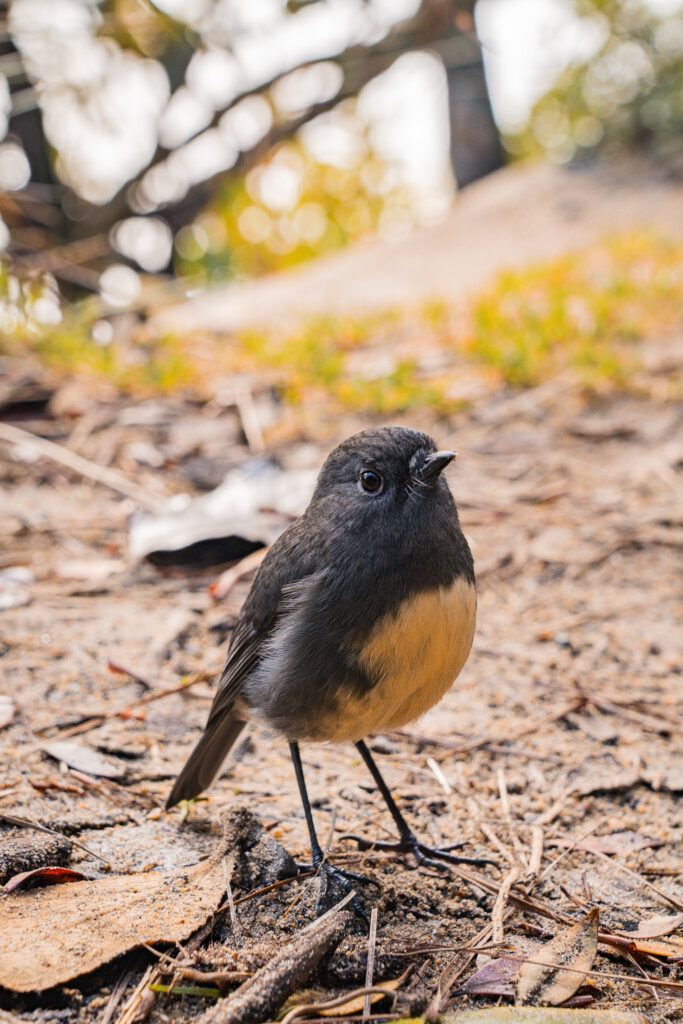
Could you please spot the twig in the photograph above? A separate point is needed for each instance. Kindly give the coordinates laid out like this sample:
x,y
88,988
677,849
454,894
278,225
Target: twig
x,y
639,878
127,711
234,923
221,587
13,819
549,815
111,478
439,775
119,990
130,1010
462,748
121,671
260,997
536,854
370,968
505,804
475,811
305,1008
497,931
248,414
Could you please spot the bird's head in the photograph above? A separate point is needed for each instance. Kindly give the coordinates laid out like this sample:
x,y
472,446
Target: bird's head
x,y
389,473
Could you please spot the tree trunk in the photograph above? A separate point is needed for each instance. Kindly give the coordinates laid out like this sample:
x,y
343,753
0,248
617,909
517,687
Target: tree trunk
x,y
475,143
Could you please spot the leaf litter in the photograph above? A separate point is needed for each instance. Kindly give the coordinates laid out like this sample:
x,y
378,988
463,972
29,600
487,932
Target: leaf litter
x,y
99,920
544,978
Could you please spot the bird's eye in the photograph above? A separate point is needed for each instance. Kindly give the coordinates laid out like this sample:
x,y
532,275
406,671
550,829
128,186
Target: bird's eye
x,y
370,481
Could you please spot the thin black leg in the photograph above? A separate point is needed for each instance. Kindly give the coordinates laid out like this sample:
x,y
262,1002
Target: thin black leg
x,y
316,849
408,841
402,825
332,879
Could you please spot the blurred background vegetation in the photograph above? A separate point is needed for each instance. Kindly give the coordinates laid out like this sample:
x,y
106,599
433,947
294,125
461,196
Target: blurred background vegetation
x,y
212,140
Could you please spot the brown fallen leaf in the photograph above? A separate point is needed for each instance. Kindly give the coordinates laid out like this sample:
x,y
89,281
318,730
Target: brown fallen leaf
x,y
542,1015
620,842
670,950
7,710
100,920
573,947
83,759
653,927
493,979
41,877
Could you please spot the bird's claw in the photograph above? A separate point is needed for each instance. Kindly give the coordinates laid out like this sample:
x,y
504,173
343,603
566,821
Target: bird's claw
x,y
335,883
426,856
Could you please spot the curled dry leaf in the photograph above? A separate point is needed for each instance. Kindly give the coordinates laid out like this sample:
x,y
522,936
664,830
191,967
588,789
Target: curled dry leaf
x,y
83,759
541,978
40,877
355,1005
670,950
493,979
542,1015
653,927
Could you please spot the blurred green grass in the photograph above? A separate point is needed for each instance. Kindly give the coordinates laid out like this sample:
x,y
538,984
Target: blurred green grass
x,y
584,314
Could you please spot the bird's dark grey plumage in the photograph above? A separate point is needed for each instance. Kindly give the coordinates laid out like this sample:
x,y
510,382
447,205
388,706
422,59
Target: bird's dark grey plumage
x,y
335,594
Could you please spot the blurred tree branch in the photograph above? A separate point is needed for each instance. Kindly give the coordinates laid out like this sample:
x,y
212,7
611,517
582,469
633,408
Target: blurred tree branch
x,y
443,26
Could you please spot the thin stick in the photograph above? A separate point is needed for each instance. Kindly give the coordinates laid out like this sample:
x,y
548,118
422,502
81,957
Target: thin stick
x,y
536,852
505,804
304,1008
234,923
111,478
497,931
222,586
13,819
128,710
127,1015
639,878
440,777
370,968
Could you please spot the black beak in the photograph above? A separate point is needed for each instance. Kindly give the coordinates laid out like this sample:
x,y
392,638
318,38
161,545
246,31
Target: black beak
x,y
433,465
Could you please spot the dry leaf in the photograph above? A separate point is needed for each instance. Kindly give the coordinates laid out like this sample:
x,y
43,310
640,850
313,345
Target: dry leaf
x,y
83,759
356,1005
653,927
673,949
493,979
620,842
40,877
98,921
7,710
573,947
542,1015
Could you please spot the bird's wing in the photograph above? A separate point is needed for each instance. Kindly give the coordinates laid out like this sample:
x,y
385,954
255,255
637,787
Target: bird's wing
x,y
243,657
287,567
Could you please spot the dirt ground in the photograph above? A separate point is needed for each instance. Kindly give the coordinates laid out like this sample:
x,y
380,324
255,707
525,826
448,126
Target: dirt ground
x,y
565,724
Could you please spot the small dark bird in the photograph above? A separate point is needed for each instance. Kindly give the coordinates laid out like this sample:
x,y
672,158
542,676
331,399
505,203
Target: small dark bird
x,y
359,620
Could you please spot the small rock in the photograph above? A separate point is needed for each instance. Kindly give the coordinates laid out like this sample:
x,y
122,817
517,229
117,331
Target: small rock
x,y
259,859
26,853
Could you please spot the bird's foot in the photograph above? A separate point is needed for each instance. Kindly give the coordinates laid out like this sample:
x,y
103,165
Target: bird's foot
x,y
425,856
335,884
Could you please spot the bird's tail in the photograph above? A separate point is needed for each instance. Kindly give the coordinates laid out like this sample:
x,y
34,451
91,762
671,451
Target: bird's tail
x,y
206,759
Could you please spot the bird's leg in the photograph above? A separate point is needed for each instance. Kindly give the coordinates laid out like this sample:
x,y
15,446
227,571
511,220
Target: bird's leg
x,y
329,875
408,841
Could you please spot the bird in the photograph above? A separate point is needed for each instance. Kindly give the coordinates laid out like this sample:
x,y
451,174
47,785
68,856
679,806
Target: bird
x,y
359,619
